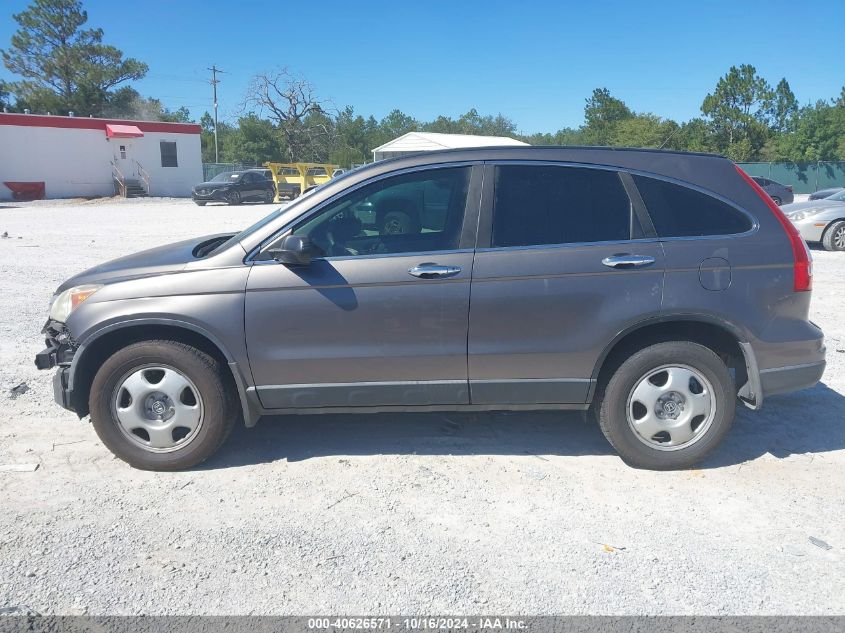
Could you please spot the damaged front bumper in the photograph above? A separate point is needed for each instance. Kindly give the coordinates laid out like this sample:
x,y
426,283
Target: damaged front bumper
x,y
59,352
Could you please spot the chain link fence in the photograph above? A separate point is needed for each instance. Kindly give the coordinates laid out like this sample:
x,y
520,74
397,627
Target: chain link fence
x,y
210,170
804,177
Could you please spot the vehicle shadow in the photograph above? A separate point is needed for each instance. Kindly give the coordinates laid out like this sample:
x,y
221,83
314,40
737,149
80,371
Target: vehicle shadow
x,y
810,421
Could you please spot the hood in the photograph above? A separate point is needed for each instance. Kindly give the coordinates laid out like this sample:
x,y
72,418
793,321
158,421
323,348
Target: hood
x,y
810,204
824,193
155,261
213,185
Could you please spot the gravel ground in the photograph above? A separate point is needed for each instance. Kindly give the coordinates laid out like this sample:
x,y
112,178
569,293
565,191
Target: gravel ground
x,y
424,513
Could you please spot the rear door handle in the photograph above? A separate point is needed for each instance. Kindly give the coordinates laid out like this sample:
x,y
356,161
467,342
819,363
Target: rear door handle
x,y
433,271
627,261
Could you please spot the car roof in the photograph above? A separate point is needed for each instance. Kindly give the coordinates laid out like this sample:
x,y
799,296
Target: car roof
x,y
610,156
708,171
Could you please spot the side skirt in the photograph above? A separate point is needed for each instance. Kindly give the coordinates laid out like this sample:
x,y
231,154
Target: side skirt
x,y
428,408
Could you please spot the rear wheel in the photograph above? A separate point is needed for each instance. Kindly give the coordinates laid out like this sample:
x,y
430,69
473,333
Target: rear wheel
x,y
777,200
834,237
269,196
668,405
161,405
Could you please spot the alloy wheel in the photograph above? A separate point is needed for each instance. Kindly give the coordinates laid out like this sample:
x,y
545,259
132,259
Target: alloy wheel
x,y
839,238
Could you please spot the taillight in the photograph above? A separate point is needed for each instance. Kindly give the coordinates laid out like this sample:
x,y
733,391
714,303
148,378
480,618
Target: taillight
x,y
802,263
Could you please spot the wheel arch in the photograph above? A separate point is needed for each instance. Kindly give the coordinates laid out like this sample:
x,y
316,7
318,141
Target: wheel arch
x,y
723,337
830,225
106,341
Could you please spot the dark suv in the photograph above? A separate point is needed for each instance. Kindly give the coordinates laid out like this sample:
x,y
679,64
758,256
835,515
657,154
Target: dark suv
x,y
653,288
234,187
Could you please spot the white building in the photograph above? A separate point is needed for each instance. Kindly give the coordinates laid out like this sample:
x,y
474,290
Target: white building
x,y
415,142
80,157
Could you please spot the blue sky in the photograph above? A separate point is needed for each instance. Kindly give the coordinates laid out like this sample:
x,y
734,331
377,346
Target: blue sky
x,y
533,61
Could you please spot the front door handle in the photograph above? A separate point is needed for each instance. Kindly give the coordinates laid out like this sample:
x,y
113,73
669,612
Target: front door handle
x,y
433,271
627,261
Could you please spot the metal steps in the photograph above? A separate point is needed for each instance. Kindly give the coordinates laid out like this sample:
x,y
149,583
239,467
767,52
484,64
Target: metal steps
x,y
134,189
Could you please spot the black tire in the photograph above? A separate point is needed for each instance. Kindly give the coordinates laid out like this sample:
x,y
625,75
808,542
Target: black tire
x,y
612,407
220,410
834,236
233,197
200,203
777,200
269,197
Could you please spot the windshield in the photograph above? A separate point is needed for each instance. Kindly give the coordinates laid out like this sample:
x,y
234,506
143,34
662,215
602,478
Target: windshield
x,y
229,176
838,197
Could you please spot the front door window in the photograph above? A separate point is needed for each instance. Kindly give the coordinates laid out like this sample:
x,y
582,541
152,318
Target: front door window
x,y
415,212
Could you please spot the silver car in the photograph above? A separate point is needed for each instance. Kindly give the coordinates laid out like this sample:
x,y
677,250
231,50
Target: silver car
x,y
820,221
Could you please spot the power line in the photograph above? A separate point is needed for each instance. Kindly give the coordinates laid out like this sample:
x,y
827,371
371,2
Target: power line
x,y
214,81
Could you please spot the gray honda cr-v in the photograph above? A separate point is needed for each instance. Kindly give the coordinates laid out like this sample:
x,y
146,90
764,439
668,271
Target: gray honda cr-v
x,y
653,288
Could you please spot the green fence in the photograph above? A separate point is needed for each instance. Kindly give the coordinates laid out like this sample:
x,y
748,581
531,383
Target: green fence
x,y
804,177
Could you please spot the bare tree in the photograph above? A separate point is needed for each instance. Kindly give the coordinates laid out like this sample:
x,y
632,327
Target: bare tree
x,y
291,102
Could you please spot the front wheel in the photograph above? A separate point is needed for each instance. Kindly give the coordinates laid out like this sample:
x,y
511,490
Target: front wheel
x,y
834,237
161,405
668,405
200,203
233,197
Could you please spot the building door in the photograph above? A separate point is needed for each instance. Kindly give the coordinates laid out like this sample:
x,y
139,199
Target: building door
x,y
125,165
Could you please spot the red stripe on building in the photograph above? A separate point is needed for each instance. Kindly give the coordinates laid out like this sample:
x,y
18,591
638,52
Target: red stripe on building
x,y
85,123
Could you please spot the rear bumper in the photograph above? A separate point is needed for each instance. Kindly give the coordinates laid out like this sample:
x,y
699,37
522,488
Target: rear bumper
x,y
792,378
781,367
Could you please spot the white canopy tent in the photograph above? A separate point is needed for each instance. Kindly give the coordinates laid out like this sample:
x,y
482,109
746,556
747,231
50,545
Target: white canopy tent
x,y
415,142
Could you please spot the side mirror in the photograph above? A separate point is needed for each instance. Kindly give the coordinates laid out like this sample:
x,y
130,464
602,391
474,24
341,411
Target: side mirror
x,y
295,250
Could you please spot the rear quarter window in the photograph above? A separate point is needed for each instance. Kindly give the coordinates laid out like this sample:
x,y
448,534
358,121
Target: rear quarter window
x,y
679,211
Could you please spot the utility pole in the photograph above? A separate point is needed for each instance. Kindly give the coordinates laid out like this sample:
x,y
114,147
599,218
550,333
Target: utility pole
x,y
214,81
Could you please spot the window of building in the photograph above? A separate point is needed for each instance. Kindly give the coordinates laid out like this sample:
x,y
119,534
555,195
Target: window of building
x,y
168,154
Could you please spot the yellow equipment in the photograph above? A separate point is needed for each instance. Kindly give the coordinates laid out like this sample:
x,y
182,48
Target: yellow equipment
x,y
292,179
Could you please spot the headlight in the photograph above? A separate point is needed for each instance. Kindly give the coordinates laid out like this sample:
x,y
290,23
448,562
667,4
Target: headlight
x,y
800,215
67,301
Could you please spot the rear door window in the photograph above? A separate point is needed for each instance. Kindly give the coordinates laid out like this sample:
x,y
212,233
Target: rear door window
x,y
679,211
547,204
